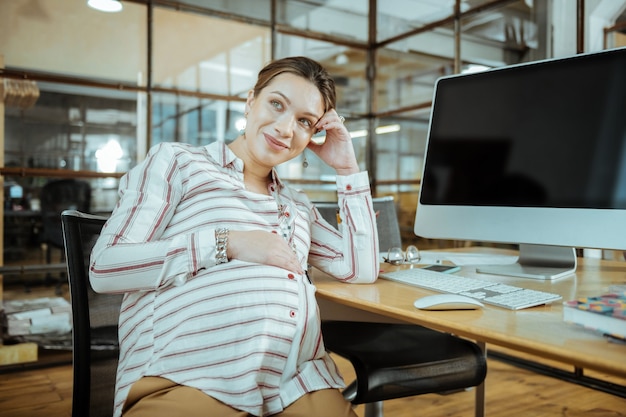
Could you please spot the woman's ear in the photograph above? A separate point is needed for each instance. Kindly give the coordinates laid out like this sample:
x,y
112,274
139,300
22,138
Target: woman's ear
x,y
249,101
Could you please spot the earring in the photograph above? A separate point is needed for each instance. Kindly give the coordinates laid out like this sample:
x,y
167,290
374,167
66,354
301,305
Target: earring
x,y
305,163
242,131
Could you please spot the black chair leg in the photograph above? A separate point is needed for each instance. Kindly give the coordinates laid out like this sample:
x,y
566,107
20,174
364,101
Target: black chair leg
x,y
374,409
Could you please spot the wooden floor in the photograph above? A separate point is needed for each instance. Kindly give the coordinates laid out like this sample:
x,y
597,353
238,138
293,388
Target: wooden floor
x,y
510,391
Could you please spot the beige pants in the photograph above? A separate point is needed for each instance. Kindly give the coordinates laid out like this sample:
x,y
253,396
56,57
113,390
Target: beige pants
x,y
160,397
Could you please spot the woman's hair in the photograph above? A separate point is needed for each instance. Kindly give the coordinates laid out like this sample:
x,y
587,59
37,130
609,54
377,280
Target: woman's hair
x,y
305,68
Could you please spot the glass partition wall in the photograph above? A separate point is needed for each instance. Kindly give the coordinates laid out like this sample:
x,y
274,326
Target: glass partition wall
x,y
86,93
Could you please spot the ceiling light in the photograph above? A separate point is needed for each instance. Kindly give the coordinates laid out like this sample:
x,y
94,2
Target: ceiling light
x,y
473,68
240,124
358,133
110,6
381,130
354,134
342,59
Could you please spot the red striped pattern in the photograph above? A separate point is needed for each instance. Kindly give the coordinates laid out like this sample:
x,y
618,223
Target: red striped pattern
x,y
246,334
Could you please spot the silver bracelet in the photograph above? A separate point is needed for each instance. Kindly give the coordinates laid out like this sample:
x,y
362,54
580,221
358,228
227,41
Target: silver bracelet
x,y
221,245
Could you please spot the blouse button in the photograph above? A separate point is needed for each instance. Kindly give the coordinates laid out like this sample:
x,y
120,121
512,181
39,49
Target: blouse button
x,y
292,314
291,276
348,187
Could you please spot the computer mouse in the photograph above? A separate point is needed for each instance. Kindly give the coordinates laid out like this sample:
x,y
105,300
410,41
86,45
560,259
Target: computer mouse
x,y
447,302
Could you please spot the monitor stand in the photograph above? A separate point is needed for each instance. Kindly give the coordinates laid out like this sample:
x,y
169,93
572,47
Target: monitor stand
x,y
537,262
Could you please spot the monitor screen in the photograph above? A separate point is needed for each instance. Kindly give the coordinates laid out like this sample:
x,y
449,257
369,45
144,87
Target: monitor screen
x,y
531,154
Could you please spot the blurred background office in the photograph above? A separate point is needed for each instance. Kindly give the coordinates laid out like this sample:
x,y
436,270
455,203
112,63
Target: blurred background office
x,y
84,92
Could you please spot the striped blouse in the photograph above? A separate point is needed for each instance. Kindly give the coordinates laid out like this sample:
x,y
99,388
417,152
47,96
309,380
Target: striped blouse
x,y
246,334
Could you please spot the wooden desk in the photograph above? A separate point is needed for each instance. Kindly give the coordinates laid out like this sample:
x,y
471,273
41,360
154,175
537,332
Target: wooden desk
x,y
539,330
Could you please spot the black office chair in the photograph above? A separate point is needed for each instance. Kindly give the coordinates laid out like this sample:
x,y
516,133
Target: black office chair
x,y
393,360
94,318
56,196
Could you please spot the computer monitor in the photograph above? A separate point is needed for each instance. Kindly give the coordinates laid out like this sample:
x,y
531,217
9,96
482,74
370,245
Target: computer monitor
x,y
531,154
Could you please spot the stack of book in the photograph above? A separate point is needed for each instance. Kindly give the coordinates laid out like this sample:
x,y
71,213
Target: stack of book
x,y
38,316
605,314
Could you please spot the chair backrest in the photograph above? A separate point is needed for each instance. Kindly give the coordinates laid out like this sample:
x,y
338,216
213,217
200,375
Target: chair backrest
x,y
389,235
94,319
59,195
386,220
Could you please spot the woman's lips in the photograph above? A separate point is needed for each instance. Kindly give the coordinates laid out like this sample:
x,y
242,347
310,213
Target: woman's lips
x,y
275,143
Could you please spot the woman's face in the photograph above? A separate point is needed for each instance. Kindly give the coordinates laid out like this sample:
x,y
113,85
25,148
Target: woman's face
x,y
281,119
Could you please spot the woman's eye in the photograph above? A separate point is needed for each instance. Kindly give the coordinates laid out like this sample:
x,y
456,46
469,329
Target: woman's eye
x,y
307,123
277,104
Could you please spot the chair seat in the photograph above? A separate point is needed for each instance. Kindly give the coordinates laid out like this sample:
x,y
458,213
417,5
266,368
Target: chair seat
x,y
400,360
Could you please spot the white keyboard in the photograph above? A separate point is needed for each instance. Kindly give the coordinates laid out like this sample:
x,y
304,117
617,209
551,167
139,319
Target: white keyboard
x,y
501,295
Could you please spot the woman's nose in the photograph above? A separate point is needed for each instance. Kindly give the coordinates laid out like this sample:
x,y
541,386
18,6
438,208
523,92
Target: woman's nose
x,y
284,125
